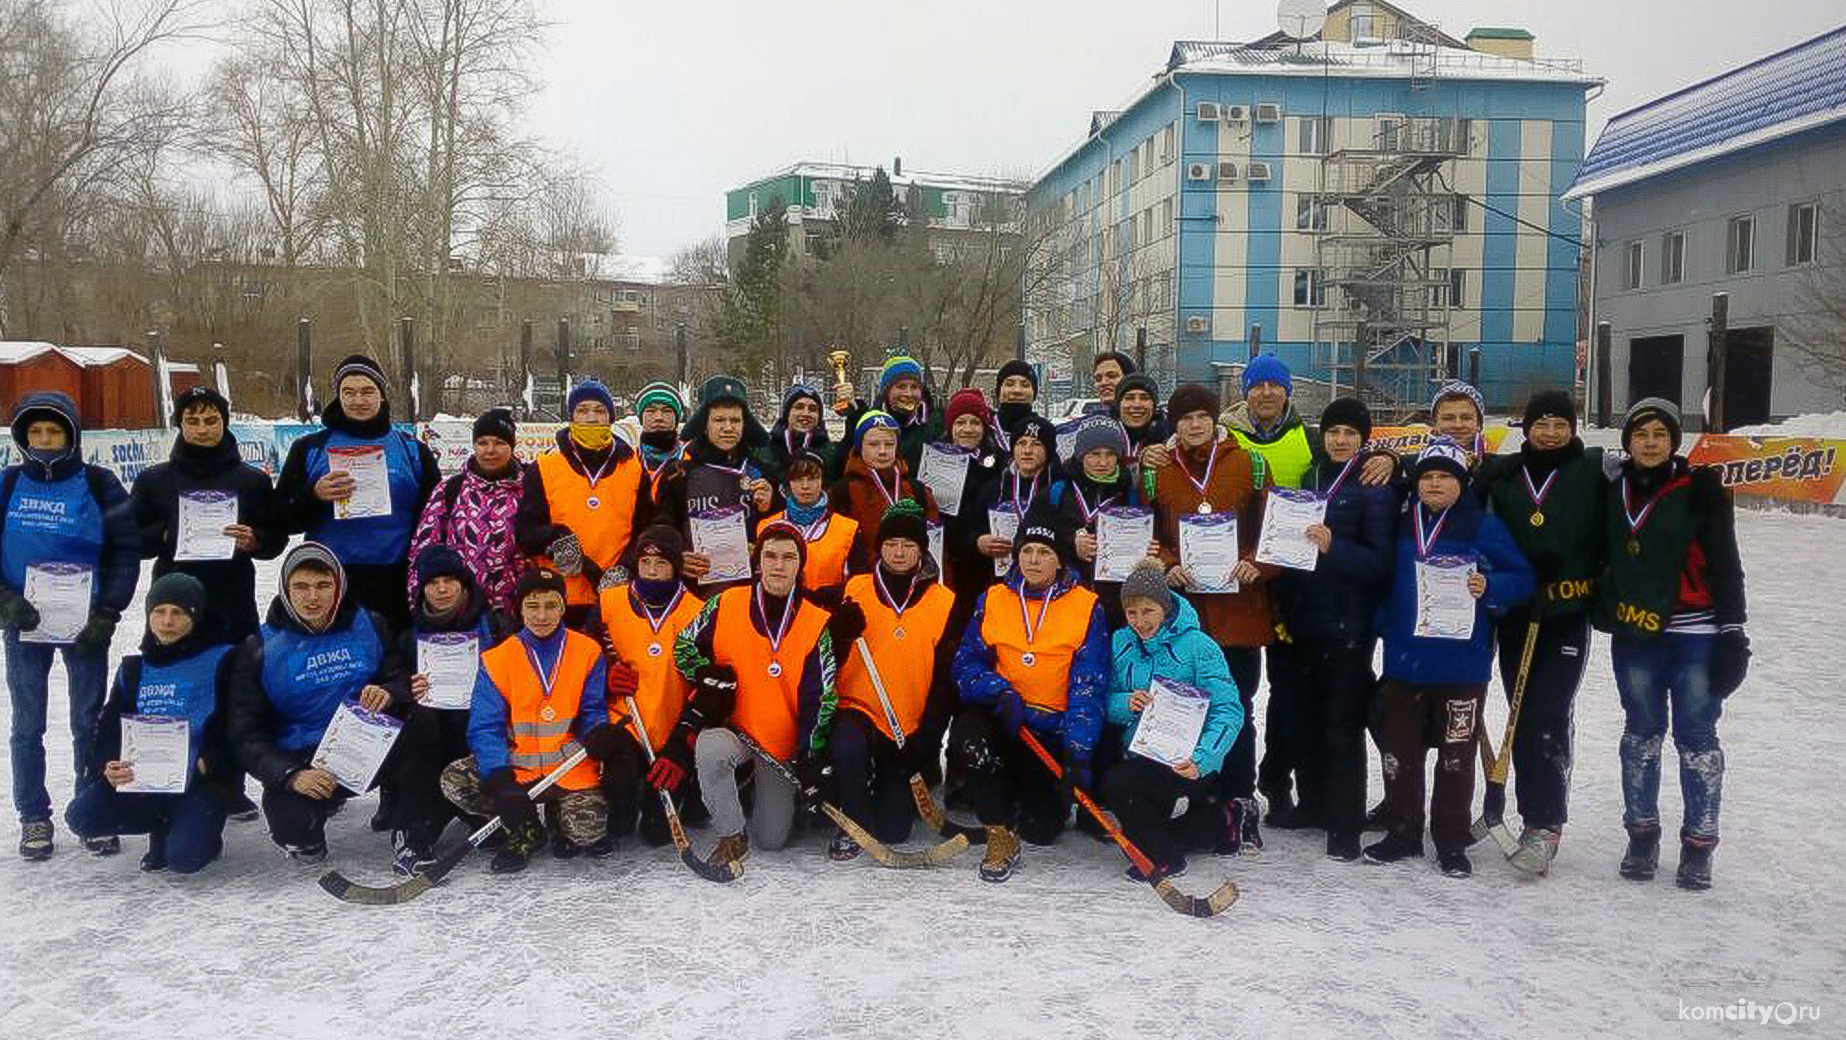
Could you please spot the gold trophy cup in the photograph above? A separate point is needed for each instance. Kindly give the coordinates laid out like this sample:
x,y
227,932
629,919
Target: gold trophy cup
x,y
839,359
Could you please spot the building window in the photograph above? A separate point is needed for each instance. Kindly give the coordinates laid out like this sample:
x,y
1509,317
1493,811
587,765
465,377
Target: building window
x,y
1451,215
1166,146
1458,285
1315,133
1390,127
1672,258
1310,214
1803,231
1740,245
1364,21
1631,265
1310,288
1166,216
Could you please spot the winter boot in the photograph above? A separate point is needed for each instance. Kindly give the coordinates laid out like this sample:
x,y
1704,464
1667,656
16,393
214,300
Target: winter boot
x,y
562,847
1454,862
1538,846
1378,817
1392,849
35,840
842,849
154,860
308,855
518,849
1694,873
1643,856
1343,846
603,847
732,848
1002,855
105,845
1248,830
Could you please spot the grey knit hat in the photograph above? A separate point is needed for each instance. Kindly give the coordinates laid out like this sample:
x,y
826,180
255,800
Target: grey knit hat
x,y
1149,581
1099,432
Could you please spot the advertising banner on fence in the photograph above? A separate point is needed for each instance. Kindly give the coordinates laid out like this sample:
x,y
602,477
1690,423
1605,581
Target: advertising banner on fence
x,y
1800,469
1407,441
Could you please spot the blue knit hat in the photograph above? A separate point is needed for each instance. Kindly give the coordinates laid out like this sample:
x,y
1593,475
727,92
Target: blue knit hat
x,y
872,420
1267,369
899,366
589,390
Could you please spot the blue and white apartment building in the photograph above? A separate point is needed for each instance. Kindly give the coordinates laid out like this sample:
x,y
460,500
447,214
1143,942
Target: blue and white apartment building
x,y
1379,197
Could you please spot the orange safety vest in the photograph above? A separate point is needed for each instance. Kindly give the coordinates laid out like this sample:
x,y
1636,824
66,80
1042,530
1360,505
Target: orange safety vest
x,y
1045,683
768,705
827,555
904,648
662,692
540,745
603,528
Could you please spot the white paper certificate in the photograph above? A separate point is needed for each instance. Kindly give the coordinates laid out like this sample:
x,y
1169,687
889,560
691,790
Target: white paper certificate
x,y
1208,551
1169,728
1445,607
355,746
719,535
159,747
944,470
935,543
450,661
203,516
1122,537
1002,523
1284,537
61,594
365,463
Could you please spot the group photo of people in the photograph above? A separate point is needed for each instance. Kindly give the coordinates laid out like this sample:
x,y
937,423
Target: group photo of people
x,y
870,623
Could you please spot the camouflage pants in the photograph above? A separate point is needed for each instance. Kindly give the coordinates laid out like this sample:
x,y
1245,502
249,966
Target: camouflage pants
x,y
583,816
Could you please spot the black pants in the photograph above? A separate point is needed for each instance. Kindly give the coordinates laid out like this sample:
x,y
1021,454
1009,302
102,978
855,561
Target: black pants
x,y
1285,744
431,739
1406,714
1007,783
382,587
1142,793
297,821
1542,751
1331,692
1238,777
631,797
872,777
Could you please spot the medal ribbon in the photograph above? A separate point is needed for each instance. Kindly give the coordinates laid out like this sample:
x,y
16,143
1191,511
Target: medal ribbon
x,y
788,618
884,592
545,679
1340,481
1427,542
1083,505
1018,510
1635,520
655,622
897,484
1538,493
1025,615
1211,459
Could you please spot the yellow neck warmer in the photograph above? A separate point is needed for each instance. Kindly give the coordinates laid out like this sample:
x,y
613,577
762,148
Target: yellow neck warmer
x,y
592,436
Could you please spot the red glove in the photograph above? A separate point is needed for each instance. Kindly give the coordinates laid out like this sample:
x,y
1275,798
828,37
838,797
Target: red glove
x,y
623,680
666,775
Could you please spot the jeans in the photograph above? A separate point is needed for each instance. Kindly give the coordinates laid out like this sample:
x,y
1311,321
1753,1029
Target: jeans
x,y
28,675
719,755
1672,670
189,826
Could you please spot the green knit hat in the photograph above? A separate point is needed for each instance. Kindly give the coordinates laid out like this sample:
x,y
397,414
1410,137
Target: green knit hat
x,y
659,392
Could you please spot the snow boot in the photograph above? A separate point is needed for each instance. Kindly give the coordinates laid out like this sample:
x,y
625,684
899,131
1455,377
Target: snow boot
x,y
154,860
603,847
1454,862
1173,869
1694,873
842,849
1343,846
1392,849
732,848
1538,846
513,856
105,845
1002,855
308,855
1643,856
562,847
1378,817
35,840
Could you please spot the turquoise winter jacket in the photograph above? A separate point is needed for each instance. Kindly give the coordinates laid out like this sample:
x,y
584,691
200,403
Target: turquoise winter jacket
x,y
1179,651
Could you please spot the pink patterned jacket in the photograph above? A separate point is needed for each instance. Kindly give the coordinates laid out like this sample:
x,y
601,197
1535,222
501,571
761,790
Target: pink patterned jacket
x,y
474,516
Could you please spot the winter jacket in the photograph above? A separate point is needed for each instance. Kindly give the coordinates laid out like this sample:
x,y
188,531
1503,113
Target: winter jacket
x,y
1336,600
67,511
1470,531
1687,573
1287,445
914,429
489,717
231,607
1182,653
1565,547
815,696
476,516
784,443
191,679
857,495
1079,499
1239,481
475,617
277,717
966,571
535,527
1035,498
378,541
1079,724
703,478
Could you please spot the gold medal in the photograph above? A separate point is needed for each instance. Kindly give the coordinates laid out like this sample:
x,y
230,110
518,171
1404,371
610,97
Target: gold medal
x,y
546,714
1538,519
1204,508
1634,546
1028,659
593,502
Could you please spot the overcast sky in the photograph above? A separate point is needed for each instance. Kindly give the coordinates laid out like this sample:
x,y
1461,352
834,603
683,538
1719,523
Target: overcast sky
x,y
677,101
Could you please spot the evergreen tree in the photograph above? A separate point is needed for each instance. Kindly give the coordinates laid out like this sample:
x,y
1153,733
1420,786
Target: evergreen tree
x,y
874,213
750,324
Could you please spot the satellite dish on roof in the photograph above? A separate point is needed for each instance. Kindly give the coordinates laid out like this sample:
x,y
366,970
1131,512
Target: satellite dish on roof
x,y
1300,19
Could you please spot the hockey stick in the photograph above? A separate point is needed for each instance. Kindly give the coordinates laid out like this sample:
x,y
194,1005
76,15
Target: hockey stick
x,y
719,872
1493,800
340,887
884,855
1211,905
927,808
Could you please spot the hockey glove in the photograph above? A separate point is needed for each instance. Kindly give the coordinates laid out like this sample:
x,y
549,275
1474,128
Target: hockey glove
x,y
714,694
17,611
814,770
566,554
516,811
613,577
1010,711
601,742
846,625
1730,661
623,679
674,762
95,637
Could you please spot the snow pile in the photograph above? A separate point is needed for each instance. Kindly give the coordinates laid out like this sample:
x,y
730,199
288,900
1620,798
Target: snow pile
x,y
1820,424
637,946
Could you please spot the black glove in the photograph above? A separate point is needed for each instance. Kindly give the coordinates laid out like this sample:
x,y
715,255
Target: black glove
x,y
601,742
566,554
17,611
1730,661
1076,773
95,637
1010,711
516,811
845,625
714,694
814,771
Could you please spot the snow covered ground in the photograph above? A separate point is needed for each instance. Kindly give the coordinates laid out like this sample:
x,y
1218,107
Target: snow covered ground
x,y
637,946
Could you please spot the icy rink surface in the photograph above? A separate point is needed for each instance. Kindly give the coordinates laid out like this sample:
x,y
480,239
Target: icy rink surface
x,y
636,946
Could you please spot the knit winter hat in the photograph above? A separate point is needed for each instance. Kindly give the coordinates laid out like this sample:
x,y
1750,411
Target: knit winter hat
x,y
1039,534
658,392
497,422
1016,367
778,531
1455,388
320,557
663,541
360,365
1348,411
873,420
1037,427
796,393
1098,432
1191,397
194,396
729,389
898,366
177,590
589,390
439,561
1443,455
1267,369
1548,404
536,580
1149,581
1137,381
969,402
904,519
1651,408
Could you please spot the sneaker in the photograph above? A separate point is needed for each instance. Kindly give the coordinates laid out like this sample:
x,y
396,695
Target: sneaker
x,y
106,845
243,810
35,840
1694,865
1454,863
1002,855
1643,856
1538,846
408,858
842,849
1176,868
1343,846
1378,817
1392,849
308,855
732,848
603,847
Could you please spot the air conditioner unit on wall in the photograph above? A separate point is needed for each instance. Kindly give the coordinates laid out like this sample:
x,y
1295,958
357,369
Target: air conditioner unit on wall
x,y
1236,113
1198,171
1208,111
1227,171
1257,171
1197,323
1268,112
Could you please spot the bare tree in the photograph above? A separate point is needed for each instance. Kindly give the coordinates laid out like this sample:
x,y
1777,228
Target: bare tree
x,y
1816,329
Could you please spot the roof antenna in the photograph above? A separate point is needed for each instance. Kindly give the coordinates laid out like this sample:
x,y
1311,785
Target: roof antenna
x,y
1299,20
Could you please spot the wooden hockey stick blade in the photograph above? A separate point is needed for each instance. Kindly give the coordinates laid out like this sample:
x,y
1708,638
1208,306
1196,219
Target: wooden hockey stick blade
x,y
1198,906
897,859
722,873
1493,813
346,890
927,808
1504,837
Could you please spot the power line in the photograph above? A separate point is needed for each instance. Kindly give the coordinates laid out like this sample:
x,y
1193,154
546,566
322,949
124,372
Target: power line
x,y
1515,218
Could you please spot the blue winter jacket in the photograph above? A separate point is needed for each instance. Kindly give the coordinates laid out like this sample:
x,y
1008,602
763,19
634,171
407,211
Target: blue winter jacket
x,y
1182,653
1337,599
1472,532
1079,724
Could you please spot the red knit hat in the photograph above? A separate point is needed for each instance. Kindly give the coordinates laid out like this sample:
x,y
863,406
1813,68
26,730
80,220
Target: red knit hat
x,y
970,402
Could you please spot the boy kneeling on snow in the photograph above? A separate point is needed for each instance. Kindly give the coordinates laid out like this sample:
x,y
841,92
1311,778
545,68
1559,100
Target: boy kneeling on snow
x,y
1436,676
